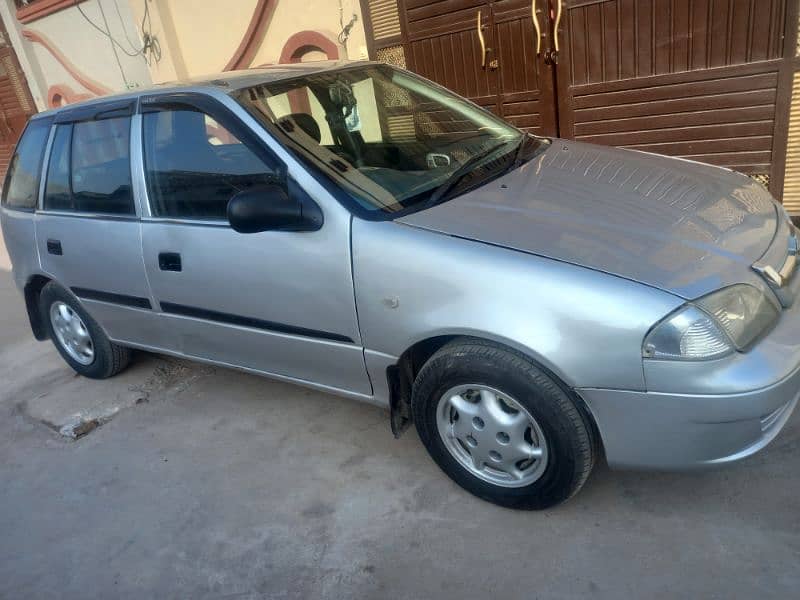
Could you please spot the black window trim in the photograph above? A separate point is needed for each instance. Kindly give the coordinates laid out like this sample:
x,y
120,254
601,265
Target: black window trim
x,y
43,159
214,108
94,112
111,109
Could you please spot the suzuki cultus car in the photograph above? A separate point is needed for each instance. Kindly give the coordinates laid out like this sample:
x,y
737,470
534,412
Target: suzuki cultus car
x,y
527,303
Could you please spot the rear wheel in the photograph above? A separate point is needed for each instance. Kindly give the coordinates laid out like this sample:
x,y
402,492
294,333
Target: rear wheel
x,y
501,427
77,336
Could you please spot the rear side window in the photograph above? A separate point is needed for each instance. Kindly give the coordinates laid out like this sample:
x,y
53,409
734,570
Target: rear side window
x,y
194,165
89,169
22,182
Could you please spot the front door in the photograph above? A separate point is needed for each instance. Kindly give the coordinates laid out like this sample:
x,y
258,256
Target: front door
x,y
276,302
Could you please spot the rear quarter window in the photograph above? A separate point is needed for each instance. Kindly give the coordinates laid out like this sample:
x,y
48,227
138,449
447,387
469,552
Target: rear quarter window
x,y
21,188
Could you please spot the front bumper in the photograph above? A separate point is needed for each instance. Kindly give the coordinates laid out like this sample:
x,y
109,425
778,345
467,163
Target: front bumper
x,y
656,430
706,412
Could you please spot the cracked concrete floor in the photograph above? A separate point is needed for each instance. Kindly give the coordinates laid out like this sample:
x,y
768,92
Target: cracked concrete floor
x,y
222,484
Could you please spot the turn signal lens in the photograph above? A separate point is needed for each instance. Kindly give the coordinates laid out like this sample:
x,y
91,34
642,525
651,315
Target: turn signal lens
x,y
689,334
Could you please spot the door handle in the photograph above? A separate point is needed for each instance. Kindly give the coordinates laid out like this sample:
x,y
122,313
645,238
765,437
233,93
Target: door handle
x,y
555,27
169,261
537,28
482,41
54,247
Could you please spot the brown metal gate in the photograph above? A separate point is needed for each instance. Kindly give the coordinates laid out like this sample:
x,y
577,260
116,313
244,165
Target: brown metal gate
x,y
692,78
485,51
702,79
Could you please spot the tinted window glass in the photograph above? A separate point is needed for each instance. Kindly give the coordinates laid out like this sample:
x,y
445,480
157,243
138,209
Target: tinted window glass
x,y
22,182
57,195
194,165
101,171
89,168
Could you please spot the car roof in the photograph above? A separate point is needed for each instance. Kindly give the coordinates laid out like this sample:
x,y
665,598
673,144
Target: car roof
x,y
229,81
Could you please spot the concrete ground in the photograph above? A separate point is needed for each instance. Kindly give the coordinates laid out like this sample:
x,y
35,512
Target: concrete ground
x,y
208,483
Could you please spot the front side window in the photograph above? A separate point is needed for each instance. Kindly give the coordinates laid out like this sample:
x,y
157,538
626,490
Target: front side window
x,y
89,169
395,141
22,182
194,165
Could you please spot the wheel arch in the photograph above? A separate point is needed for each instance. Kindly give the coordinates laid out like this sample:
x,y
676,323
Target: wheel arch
x,y
401,375
423,348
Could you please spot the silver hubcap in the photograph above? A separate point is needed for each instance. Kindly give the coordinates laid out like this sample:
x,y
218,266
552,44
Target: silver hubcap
x,y
71,332
491,435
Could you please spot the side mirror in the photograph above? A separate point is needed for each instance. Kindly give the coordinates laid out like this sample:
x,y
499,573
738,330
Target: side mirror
x,y
272,208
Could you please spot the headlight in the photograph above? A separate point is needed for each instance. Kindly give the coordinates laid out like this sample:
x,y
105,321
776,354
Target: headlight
x,y
713,326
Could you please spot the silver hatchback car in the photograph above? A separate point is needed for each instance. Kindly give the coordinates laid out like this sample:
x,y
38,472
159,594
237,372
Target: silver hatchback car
x,y
527,303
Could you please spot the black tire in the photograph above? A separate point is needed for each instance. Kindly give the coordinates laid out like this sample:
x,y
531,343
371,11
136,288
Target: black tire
x,y
109,358
571,443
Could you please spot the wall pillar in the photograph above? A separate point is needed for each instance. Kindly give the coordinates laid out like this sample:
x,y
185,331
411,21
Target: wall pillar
x,y
33,74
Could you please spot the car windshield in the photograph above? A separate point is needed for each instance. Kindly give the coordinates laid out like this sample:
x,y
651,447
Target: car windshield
x,y
396,142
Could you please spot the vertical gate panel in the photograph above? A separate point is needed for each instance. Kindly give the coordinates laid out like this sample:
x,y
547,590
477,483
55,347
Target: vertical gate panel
x,y
690,78
787,134
440,41
791,187
525,82
444,46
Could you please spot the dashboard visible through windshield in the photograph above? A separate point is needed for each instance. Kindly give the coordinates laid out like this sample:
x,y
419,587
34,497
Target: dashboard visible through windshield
x,y
396,142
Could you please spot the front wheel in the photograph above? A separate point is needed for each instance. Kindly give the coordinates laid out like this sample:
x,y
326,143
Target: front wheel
x,y
501,427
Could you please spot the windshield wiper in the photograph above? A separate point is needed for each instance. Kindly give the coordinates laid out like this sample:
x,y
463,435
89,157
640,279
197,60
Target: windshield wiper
x,y
457,175
523,143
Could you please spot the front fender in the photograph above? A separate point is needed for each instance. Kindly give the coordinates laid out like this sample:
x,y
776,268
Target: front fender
x,y
583,325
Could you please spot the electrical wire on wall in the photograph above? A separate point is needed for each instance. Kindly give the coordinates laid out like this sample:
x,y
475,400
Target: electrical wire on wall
x,y
344,34
150,50
152,47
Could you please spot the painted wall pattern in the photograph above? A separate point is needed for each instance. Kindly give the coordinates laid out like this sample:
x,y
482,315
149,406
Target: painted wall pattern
x,y
73,50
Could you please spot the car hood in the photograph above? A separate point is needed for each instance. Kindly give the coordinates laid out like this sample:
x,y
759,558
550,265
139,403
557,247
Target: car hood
x,y
677,225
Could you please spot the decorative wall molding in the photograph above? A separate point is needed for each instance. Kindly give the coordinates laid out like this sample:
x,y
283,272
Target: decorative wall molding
x,y
61,94
253,37
41,8
304,41
95,87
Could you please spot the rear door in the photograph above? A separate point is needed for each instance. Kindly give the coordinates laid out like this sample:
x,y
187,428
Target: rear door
x,y
87,229
277,302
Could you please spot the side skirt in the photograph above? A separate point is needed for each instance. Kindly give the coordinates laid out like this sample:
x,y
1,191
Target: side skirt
x,y
301,382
